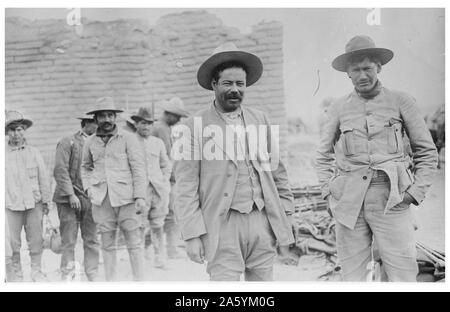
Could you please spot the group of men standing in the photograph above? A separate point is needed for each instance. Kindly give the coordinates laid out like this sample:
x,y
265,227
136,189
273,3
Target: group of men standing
x,y
235,209
106,180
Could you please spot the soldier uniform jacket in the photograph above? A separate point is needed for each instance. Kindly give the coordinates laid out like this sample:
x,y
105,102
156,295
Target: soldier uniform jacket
x,y
158,164
26,178
365,135
67,166
117,167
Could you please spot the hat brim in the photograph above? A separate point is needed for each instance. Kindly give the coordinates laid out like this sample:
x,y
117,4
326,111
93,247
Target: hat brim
x,y
253,64
130,125
138,118
27,122
93,112
177,112
340,63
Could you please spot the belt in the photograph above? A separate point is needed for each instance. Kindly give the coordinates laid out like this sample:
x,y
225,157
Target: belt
x,y
379,176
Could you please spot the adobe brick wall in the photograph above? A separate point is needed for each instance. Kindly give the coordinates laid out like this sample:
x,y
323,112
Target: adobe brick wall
x,y
54,75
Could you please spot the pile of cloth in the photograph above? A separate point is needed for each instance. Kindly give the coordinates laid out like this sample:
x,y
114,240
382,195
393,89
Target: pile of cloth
x,y
316,244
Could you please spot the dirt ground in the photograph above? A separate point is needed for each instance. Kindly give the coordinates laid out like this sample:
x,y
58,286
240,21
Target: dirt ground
x,y
430,217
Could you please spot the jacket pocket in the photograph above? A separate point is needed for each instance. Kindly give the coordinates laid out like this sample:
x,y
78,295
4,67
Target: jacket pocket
x,y
348,141
404,181
152,156
337,186
394,137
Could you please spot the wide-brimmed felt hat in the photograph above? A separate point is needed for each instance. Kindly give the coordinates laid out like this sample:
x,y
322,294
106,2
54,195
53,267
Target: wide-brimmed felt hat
x,y
175,106
14,118
144,113
361,45
228,52
104,104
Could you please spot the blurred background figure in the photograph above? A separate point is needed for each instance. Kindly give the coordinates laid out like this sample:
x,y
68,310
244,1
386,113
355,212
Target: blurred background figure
x,y
324,105
436,124
174,110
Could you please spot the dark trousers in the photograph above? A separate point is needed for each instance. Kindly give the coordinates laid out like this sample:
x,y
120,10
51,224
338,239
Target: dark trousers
x,y
70,221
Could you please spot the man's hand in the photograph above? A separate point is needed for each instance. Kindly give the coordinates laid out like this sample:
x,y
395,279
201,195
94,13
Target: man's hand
x,y
74,202
286,257
195,250
45,209
140,205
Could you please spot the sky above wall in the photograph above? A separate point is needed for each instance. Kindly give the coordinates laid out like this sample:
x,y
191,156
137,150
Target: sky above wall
x,y
314,37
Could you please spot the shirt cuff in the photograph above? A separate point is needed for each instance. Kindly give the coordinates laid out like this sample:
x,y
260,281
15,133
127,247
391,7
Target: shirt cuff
x,y
416,193
189,231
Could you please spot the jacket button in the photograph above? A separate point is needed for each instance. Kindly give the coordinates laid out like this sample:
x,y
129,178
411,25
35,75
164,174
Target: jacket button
x,y
225,194
364,177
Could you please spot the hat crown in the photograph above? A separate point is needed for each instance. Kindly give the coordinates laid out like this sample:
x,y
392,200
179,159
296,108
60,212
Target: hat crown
x,y
13,116
175,106
226,47
359,43
106,102
176,102
145,112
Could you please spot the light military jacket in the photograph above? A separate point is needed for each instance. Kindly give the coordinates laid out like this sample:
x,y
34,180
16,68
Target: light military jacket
x,y
116,168
27,181
158,164
363,135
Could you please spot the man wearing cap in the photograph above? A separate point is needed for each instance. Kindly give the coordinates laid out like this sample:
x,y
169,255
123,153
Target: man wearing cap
x,y
159,169
74,206
373,187
114,175
174,110
231,209
27,197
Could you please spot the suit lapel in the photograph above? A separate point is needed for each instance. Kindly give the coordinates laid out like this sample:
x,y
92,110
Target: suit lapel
x,y
215,120
250,120
252,137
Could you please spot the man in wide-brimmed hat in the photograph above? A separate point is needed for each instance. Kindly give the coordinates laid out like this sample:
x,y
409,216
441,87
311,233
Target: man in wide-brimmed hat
x,y
373,187
173,111
114,175
74,206
159,169
27,195
232,209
